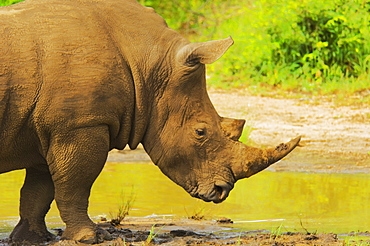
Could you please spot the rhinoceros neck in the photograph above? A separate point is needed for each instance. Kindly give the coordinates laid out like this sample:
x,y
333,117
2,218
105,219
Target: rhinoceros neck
x,y
148,47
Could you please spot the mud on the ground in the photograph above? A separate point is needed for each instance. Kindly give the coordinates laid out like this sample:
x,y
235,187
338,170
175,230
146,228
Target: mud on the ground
x,y
172,232
192,232
175,233
140,231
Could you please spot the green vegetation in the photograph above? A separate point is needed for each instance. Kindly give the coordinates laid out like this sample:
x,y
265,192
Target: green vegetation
x,y
302,47
276,232
8,2
307,47
245,137
151,236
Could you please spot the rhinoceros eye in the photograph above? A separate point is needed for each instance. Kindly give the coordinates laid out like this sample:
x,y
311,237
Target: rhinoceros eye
x,y
200,132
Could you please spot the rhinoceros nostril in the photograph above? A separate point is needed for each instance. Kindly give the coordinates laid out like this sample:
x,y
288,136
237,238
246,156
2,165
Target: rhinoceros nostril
x,y
220,192
222,189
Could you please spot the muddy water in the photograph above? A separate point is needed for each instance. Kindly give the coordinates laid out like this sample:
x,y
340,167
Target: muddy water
x,y
292,201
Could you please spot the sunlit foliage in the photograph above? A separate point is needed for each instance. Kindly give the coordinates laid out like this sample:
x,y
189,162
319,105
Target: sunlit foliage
x,y
303,46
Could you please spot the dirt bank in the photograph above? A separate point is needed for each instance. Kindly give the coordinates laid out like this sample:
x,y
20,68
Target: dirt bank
x,y
334,138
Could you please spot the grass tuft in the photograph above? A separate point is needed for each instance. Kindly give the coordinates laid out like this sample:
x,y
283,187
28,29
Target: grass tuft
x,y
152,234
199,213
123,209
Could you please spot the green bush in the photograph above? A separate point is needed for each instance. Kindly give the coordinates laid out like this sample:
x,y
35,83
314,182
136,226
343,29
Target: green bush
x,y
8,2
307,46
324,42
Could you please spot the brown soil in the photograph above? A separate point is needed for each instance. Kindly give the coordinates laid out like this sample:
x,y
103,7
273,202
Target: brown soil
x,y
137,232
334,139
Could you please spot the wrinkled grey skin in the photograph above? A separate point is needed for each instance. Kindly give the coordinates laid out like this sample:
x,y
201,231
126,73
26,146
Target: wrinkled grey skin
x,y
81,77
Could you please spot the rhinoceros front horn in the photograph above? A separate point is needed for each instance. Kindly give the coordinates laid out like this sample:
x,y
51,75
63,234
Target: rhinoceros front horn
x,y
277,153
256,160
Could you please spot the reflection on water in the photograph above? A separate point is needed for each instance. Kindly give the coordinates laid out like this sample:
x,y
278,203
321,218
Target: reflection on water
x,y
320,202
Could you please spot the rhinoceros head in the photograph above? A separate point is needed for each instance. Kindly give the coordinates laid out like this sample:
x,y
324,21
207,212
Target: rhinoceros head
x,y
190,142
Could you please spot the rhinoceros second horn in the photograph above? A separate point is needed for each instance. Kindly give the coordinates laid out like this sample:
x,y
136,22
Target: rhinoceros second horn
x,y
256,160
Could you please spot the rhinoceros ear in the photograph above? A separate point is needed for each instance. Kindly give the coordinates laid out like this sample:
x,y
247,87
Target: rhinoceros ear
x,y
204,52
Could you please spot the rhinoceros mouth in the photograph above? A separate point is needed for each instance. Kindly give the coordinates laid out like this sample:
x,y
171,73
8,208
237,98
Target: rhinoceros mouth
x,y
217,193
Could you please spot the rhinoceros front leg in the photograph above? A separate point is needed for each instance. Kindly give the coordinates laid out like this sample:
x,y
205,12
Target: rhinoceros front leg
x,y
37,194
75,160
